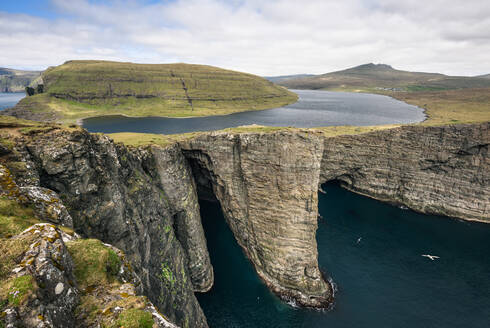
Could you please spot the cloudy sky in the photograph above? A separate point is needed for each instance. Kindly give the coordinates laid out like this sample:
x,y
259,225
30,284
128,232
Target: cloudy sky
x,y
264,37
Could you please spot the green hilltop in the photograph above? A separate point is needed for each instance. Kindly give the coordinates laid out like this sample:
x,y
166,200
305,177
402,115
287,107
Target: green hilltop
x,y
371,77
446,99
79,89
14,80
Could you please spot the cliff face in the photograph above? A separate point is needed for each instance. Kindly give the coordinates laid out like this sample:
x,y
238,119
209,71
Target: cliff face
x,y
144,201
117,195
267,186
437,170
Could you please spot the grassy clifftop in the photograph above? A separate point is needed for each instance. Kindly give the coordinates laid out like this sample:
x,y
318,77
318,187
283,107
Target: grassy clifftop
x,y
13,80
79,89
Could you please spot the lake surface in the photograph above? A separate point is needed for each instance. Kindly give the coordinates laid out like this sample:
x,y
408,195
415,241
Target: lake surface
x,y
313,109
8,100
383,281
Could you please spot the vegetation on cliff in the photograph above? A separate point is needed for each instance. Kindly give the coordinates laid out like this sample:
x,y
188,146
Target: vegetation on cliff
x,y
79,89
13,80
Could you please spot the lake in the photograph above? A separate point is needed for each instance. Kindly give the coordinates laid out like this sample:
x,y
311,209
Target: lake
x,y
10,99
313,109
383,281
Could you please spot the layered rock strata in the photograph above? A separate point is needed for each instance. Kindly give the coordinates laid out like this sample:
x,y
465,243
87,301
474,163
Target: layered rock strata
x,y
435,170
144,201
267,186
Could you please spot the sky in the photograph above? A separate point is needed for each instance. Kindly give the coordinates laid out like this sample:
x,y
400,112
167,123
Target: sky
x,y
263,37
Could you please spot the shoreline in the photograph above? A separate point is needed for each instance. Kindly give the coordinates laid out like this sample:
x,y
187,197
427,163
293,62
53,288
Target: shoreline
x,y
80,122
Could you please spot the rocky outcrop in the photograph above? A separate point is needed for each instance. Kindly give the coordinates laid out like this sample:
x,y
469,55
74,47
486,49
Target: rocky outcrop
x,y
45,278
116,195
267,186
50,277
144,201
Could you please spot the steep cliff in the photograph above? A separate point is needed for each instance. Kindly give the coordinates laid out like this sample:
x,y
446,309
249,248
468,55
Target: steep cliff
x,y
50,277
267,186
144,200
436,170
116,194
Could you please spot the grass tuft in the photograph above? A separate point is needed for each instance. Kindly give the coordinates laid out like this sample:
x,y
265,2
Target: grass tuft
x,y
135,318
95,264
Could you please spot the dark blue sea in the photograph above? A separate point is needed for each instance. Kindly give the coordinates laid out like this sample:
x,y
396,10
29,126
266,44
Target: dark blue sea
x,y
382,280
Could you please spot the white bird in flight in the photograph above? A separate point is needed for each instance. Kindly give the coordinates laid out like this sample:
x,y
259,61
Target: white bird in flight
x,y
359,240
432,257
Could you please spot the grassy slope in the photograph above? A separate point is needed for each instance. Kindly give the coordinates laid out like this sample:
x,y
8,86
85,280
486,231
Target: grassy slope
x,y
12,80
446,99
450,106
79,89
371,77
144,139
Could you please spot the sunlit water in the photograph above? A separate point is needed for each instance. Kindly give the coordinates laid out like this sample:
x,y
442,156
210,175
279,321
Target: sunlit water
x,y
383,281
314,109
10,99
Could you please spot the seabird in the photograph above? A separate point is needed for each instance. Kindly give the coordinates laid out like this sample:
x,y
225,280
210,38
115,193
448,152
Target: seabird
x,y
359,240
432,257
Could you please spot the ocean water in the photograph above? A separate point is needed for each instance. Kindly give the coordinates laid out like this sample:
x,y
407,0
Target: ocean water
x,y
382,280
313,109
10,99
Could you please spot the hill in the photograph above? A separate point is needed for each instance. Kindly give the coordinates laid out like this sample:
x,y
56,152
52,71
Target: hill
x,y
80,89
371,77
13,80
485,76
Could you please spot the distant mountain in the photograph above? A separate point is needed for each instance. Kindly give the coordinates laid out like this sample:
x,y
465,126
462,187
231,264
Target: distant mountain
x,y
381,76
485,76
13,80
277,79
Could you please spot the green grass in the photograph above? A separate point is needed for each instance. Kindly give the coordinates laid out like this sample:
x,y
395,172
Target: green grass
x,y
80,89
134,318
96,269
95,264
145,139
14,217
450,106
18,288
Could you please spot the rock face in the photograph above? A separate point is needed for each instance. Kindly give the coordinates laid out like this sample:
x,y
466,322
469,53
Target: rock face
x,y
435,170
116,195
144,201
54,295
267,186
178,183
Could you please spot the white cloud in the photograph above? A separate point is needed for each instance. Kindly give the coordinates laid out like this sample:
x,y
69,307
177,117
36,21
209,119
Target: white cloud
x,y
262,37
